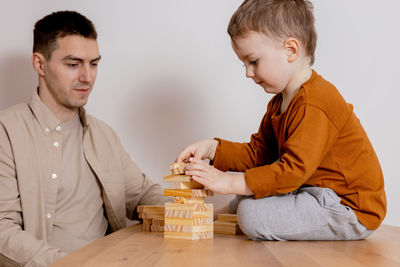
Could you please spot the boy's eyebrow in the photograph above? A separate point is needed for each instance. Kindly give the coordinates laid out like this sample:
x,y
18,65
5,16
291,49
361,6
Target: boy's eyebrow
x,y
246,57
251,54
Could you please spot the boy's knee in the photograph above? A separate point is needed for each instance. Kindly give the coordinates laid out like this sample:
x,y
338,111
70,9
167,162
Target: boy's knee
x,y
247,218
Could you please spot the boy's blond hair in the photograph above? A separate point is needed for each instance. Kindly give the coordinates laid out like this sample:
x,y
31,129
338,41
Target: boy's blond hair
x,y
278,19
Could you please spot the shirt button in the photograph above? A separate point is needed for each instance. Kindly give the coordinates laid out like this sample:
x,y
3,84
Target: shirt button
x,y
48,215
58,128
47,130
56,144
53,176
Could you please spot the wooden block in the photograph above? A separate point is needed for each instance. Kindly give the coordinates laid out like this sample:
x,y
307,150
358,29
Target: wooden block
x,y
146,227
227,217
189,221
189,207
227,228
157,228
151,215
189,236
188,192
177,168
185,200
188,185
147,221
188,211
188,214
150,208
178,178
188,228
157,222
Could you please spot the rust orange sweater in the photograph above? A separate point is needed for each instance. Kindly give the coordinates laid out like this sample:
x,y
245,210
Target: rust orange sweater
x,y
319,142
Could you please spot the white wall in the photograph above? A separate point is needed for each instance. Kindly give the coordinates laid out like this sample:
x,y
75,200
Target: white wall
x,y
169,77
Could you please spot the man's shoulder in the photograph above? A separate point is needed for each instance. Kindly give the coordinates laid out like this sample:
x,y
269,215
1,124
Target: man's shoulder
x,y
15,113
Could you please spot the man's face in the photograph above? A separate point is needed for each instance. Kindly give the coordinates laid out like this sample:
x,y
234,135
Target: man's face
x,y
70,73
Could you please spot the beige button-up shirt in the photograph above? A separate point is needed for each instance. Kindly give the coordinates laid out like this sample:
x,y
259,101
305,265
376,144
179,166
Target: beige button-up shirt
x,y
29,154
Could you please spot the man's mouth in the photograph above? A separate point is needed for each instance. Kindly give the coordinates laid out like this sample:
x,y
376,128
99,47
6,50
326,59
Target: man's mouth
x,y
82,90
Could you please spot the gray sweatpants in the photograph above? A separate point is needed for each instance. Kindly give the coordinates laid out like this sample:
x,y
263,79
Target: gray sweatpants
x,y
309,213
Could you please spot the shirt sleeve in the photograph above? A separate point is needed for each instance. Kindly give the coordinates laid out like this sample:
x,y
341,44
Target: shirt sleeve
x,y
309,136
17,247
261,150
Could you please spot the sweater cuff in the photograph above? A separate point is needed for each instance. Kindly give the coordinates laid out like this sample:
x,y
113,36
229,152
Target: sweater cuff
x,y
221,155
260,183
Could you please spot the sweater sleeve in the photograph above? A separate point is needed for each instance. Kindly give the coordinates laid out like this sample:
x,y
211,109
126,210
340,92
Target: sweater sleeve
x,y
309,136
261,150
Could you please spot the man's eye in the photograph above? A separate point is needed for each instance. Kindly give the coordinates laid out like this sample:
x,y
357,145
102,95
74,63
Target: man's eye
x,y
73,65
94,64
253,62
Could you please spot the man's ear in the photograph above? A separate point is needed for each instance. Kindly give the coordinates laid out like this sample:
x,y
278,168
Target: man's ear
x,y
38,62
292,49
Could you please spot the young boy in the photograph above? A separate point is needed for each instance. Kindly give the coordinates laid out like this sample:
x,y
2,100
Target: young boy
x,y
310,173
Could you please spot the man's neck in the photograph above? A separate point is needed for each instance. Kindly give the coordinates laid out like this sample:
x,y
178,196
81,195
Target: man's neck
x,y
62,113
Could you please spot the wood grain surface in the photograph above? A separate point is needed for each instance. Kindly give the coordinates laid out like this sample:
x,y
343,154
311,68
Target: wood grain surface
x,y
132,247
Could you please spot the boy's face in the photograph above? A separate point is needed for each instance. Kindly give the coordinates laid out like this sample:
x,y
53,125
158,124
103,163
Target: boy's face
x,y
265,60
71,71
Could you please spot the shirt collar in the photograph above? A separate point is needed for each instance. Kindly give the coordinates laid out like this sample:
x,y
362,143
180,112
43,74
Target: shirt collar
x,y
47,120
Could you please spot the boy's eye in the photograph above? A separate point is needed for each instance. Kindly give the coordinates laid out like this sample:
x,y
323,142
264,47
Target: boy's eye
x,y
253,62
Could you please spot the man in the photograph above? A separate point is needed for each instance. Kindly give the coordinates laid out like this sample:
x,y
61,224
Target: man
x,y
65,179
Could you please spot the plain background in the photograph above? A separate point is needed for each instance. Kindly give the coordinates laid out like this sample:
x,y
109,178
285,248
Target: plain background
x,y
168,76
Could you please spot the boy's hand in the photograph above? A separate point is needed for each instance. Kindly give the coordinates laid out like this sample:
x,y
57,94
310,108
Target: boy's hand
x,y
216,180
200,150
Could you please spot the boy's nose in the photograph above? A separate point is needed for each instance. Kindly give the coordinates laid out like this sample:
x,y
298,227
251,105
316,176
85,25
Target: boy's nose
x,y
249,73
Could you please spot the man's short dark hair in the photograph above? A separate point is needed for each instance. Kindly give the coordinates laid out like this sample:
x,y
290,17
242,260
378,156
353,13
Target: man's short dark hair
x,y
57,25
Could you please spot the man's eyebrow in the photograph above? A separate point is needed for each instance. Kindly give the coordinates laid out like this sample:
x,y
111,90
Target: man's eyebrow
x,y
71,57
96,59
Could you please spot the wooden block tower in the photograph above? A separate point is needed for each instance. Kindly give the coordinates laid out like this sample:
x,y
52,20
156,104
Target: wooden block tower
x,y
188,217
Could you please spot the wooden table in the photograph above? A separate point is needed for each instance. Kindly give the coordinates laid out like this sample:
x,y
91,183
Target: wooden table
x,y
132,247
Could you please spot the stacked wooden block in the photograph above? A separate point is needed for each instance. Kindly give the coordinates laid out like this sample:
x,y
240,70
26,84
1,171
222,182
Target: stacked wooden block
x,y
227,224
153,218
188,217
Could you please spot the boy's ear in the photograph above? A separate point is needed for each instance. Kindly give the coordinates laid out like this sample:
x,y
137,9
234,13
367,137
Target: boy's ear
x,y
292,48
38,62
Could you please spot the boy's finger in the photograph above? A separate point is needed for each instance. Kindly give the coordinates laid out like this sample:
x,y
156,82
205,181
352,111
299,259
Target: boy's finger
x,y
196,166
200,180
193,160
185,154
180,158
198,173
197,156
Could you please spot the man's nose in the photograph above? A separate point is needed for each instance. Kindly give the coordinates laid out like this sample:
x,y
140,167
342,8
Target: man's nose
x,y
86,74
